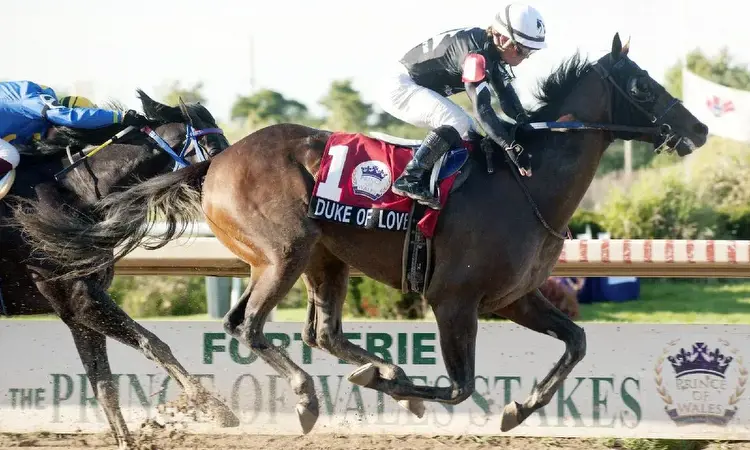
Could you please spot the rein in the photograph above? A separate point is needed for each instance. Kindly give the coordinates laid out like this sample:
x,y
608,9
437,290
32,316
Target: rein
x,y
191,143
659,129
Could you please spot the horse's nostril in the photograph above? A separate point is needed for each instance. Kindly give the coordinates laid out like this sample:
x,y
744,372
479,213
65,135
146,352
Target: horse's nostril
x,y
700,128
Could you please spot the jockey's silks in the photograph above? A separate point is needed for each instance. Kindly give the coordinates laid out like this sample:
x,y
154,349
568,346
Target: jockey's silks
x,y
27,110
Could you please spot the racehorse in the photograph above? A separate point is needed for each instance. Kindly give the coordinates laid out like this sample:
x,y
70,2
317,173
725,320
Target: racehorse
x,y
494,245
29,276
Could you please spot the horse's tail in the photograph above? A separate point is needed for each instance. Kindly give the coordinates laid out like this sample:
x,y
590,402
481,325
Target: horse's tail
x,y
81,245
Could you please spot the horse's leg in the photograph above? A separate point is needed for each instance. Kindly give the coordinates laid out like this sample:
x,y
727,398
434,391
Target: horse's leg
x,y
327,278
271,280
94,308
92,349
457,322
535,312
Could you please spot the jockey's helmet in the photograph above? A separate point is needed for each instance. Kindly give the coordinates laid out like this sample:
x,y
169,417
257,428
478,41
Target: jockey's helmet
x,y
76,101
522,24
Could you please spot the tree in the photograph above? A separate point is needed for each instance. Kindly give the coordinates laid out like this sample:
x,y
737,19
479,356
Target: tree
x,y
267,107
189,95
347,111
720,69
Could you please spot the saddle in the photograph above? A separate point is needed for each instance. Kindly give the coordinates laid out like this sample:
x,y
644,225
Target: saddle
x,y
417,255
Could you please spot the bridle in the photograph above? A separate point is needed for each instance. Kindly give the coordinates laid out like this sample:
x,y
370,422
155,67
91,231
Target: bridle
x,y
658,129
191,143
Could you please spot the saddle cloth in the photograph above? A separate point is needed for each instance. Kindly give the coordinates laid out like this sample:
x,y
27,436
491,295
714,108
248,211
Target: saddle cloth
x,y
353,185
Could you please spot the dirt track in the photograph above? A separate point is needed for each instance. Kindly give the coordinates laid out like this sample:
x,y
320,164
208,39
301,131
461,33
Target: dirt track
x,y
174,441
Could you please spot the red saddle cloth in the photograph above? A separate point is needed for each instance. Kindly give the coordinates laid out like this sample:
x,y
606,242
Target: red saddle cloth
x,y
353,185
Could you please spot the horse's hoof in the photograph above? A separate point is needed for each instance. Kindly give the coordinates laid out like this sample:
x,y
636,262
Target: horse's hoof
x,y
364,375
308,415
220,413
511,416
414,406
223,416
227,419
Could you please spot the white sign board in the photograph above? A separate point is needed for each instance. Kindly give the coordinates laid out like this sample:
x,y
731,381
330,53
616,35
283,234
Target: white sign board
x,y
670,381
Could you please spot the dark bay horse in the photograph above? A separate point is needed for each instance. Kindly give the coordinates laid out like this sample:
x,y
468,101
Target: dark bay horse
x,y
491,251
30,282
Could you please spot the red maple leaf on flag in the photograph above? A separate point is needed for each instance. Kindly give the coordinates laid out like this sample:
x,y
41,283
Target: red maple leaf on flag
x,y
717,107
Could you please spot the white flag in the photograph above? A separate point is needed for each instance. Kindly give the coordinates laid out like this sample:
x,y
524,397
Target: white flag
x,y
725,111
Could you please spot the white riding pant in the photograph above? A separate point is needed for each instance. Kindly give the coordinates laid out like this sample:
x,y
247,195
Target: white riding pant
x,y
404,99
9,153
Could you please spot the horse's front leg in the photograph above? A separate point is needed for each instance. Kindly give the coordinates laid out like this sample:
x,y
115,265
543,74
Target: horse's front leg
x,y
457,324
535,312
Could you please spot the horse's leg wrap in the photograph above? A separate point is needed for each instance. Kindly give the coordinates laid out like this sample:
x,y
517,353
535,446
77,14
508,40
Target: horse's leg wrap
x,y
535,312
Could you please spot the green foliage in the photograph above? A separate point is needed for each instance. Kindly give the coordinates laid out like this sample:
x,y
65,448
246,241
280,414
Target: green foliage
x,y
369,298
149,296
267,107
719,173
614,158
720,69
346,109
175,91
659,205
582,218
706,195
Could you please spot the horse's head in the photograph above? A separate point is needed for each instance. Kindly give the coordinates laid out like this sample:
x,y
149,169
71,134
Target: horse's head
x,y
640,103
185,125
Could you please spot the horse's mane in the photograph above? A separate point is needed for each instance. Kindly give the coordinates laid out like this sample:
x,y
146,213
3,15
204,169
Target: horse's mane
x,y
553,90
77,138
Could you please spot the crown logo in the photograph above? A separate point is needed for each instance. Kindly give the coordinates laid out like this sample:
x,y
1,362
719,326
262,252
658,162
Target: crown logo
x,y
374,172
700,360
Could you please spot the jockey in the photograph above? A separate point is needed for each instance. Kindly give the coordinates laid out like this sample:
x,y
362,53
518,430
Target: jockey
x,y
28,110
466,59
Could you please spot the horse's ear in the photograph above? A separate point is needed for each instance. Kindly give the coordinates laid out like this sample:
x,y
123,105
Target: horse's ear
x,y
616,47
185,112
156,110
626,47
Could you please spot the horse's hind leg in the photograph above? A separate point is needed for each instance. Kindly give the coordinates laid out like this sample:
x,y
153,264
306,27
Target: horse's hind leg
x,y
535,312
272,277
326,278
92,349
457,323
91,306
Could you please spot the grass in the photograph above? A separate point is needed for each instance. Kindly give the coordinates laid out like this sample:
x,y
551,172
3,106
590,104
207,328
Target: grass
x,y
661,301
676,301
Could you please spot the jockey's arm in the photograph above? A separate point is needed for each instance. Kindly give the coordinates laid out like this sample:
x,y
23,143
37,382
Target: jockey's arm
x,y
509,101
481,99
82,117
478,89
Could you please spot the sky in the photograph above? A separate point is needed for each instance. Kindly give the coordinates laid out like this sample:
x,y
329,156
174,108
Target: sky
x,y
108,49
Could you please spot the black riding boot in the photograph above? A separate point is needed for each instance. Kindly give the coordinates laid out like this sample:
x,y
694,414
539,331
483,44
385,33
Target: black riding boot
x,y
412,181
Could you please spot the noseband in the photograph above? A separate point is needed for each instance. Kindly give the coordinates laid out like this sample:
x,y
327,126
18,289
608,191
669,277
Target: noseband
x,y
191,143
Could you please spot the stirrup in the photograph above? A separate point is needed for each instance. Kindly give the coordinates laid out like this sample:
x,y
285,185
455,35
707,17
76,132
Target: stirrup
x,y
430,202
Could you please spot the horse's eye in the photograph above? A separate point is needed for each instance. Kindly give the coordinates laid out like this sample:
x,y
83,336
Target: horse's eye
x,y
639,89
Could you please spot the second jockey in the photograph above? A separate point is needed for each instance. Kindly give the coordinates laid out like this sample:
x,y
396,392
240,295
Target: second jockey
x,y
466,59
28,110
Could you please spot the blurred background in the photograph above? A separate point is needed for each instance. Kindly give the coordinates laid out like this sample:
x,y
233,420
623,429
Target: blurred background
x,y
318,63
